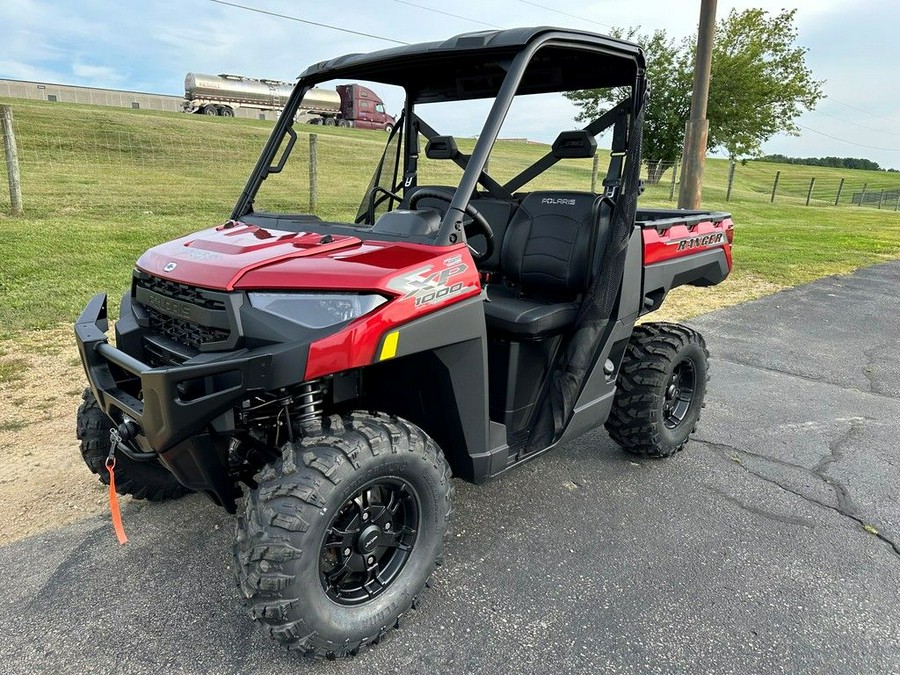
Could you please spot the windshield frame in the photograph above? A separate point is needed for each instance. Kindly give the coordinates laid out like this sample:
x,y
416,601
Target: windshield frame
x,y
451,231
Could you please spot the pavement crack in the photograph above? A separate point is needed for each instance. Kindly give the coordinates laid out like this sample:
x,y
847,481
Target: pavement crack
x,y
808,378
786,520
872,355
835,453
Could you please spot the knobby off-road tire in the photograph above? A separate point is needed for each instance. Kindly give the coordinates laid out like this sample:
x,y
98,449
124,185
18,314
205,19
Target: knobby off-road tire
x,y
141,480
307,519
660,392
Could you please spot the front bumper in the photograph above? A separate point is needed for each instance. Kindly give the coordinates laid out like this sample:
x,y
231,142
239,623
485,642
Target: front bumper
x,y
164,416
178,407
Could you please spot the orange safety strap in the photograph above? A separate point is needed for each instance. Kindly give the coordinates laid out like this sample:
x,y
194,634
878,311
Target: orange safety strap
x,y
114,501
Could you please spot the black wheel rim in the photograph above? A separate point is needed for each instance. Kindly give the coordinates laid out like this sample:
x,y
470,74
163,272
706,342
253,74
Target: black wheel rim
x,y
679,394
369,541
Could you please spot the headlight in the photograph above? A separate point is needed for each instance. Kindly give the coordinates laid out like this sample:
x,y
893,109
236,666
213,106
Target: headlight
x,y
316,310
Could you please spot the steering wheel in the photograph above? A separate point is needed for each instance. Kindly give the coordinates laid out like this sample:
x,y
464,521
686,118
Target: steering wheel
x,y
481,224
375,190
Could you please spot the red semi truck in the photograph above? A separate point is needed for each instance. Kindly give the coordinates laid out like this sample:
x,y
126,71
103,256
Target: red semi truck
x,y
348,105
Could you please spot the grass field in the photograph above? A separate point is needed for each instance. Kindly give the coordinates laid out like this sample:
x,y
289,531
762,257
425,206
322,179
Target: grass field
x,y
103,184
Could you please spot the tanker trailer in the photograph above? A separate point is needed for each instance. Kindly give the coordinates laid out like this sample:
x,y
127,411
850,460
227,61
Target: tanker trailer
x,y
222,94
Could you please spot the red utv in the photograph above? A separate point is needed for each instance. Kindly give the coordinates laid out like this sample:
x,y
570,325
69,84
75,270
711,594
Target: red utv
x,y
325,380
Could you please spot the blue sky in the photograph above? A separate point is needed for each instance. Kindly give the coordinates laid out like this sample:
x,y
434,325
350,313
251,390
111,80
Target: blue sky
x,y
149,46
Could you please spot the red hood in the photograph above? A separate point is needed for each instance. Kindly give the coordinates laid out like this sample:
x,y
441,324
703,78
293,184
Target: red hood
x,y
247,256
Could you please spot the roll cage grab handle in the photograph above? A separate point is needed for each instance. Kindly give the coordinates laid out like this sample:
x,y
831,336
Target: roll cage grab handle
x,y
264,166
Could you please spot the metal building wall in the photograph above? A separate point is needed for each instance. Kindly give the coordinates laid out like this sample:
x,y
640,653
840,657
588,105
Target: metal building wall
x,y
64,93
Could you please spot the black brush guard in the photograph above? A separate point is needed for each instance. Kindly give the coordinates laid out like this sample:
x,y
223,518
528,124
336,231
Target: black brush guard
x,y
171,425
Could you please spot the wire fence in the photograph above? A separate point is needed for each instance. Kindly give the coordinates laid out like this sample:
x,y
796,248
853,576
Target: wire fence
x,y
119,162
763,182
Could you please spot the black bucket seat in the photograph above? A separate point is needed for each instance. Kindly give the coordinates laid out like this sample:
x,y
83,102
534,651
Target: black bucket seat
x,y
548,256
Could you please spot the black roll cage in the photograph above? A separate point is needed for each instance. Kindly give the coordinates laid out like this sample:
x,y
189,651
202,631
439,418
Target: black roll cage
x,y
526,43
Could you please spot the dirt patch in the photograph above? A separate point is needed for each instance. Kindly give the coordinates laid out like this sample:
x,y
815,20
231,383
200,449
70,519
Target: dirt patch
x,y
43,481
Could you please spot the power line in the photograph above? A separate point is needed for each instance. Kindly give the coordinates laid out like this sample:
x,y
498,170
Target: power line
x,y
455,16
571,16
844,140
861,126
307,21
867,112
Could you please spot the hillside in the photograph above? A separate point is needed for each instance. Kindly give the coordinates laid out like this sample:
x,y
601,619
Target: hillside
x,y
103,184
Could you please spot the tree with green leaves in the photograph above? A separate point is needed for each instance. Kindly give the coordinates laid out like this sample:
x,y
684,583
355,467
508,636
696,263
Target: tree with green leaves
x,y
669,106
759,84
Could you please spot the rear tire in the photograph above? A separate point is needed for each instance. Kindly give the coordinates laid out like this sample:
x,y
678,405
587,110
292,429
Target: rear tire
x,y
343,123
389,128
302,532
210,110
661,388
142,480
226,111
329,122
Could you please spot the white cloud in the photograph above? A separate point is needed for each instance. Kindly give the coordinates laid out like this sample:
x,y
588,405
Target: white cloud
x,y
100,76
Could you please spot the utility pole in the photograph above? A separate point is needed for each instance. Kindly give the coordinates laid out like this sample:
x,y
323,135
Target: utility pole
x,y
697,128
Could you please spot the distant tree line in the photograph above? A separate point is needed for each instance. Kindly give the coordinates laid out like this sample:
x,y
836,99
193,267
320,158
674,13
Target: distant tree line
x,y
837,162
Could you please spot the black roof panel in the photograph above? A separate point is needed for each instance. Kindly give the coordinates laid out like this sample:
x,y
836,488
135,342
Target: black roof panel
x,y
472,65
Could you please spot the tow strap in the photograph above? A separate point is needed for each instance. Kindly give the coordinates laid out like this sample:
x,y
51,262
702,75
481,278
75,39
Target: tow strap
x,y
114,497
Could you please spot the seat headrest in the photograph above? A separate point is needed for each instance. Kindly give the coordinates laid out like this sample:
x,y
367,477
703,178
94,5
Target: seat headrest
x,y
441,147
574,145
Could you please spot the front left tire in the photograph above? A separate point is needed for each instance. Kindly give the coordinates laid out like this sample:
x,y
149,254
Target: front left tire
x,y
142,480
342,533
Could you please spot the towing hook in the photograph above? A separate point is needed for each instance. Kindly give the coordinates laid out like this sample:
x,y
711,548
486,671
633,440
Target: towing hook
x,y
125,431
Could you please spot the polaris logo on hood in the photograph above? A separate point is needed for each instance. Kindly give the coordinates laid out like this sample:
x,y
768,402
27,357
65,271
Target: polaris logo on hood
x,y
558,200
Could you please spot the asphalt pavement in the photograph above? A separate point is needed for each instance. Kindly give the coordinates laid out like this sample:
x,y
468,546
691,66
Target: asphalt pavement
x,y
771,545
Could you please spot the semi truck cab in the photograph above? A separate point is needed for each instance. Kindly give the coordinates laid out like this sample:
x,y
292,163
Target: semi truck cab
x,y
363,108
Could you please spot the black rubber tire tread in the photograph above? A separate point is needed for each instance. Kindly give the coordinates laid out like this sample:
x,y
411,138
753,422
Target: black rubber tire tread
x,y
141,480
278,525
635,421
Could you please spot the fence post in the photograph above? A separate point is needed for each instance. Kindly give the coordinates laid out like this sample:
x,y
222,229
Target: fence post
x,y
730,181
897,205
12,160
313,173
862,199
775,186
595,167
812,182
840,189
675,166
881,199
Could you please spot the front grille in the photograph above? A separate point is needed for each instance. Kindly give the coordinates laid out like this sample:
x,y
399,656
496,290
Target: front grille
x,y
177,291
189,316
184,332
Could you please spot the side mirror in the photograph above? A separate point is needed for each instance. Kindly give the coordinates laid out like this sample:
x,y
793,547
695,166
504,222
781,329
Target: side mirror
x,y
441,147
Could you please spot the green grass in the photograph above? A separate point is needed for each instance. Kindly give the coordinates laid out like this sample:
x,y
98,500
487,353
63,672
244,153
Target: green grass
x,y
13,425
101,185
12,369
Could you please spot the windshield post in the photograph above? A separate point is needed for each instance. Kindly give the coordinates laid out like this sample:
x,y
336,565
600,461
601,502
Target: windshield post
x,y
260,172
451,226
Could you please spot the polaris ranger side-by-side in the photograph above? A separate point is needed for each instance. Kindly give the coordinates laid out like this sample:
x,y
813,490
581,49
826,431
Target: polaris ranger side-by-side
x,y
325,380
